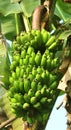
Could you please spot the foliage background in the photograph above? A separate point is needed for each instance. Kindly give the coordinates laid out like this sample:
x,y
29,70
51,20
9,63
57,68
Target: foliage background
x,y
15,15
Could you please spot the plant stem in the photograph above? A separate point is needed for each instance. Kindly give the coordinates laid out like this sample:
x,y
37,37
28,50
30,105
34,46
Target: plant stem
x,y
26,23
7,122
51,12
17,24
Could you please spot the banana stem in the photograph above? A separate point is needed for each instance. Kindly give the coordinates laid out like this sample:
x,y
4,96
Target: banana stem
x,y
51,11
17,24
7,122
26,23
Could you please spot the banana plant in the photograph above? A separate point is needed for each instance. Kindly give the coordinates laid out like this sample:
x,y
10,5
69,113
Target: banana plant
x,y
16,16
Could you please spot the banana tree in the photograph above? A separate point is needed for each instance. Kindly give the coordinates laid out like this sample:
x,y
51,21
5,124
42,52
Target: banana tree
x,y
18,15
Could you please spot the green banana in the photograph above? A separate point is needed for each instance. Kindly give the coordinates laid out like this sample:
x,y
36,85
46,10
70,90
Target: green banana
x,y
43,61
11,80
31,60
26,106
34,71
43,90
38,94
30,50
43,100
23,53
19,98
53,85
20,62
33,100
52,78
45,35
34,85
21,72
21,85
50,41
28,69
38,77
31,77
39,86
52,46
37,105
30,93
14,75
39,69
16,85
17,71
38,58
27,84
26,97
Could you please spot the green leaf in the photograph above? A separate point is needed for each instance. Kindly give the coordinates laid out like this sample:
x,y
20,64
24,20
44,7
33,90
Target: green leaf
x,y
29,6
63,10
4,60
8,26
65,34
6,7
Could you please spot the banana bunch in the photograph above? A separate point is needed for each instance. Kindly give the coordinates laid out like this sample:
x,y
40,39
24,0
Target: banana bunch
x,y
34,78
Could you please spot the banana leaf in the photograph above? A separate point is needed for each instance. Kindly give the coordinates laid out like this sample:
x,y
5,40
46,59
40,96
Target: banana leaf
x,y
63,10
4,63
6,7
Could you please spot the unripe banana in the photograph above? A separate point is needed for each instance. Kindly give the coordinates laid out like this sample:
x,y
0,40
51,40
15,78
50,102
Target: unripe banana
x,y
38,94
19,98
30,50
52,46
26,106
38,58
50,41
37,105
43,100
53,85
27,84
30,93
21,85
45,35
34,85
16,85
40,69
39,86
23,53
52,78
43,61
17,71
31,60
21,72
38,77
26,98
14,75
33,100
33,77
21,62
11,80
34,71
43,90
